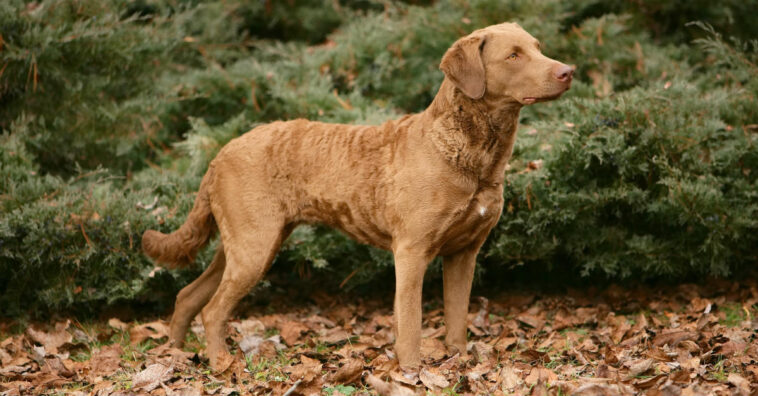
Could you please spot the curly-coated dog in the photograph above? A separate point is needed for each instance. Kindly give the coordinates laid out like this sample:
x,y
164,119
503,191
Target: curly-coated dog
x,y
425,185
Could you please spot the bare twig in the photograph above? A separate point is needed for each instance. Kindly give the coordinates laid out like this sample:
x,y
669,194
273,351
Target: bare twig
x,y
292,388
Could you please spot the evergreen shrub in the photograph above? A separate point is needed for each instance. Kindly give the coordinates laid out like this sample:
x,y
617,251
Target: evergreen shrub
x,y
111,111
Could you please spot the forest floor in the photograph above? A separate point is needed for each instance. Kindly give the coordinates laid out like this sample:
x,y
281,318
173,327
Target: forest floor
x,y
679,340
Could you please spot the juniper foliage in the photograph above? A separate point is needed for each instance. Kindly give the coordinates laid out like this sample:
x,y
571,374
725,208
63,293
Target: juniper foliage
x,y
111,111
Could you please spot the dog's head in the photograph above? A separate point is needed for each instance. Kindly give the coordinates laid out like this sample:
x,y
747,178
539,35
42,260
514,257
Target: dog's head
x,y
505,62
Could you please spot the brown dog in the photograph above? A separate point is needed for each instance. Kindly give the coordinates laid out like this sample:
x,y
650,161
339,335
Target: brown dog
x,y
425,185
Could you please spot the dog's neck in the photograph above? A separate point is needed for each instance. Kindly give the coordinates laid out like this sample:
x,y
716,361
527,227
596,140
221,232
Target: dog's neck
x,y
474,136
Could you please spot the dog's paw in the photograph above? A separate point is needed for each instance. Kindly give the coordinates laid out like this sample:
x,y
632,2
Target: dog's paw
x,y
406,375
452,350
221,361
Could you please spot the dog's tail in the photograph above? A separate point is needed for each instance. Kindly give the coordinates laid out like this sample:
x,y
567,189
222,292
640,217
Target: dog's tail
x,y
178,248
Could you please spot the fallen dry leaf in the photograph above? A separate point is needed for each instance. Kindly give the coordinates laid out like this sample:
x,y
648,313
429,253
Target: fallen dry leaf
x,y
638,367
673,338
530,320
349,372
404,377
505,344
117,324
155,330
249,327
257,345
291,332
432,380
742,385
540,375
152,377
334,335
52,340
387,388
433,348
106,360
307,370
509,379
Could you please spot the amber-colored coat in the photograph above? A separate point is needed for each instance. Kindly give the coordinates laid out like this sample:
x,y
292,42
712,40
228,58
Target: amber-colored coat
x,y
425,185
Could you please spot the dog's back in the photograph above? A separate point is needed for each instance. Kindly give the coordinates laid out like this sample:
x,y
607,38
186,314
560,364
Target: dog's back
x,y
335,174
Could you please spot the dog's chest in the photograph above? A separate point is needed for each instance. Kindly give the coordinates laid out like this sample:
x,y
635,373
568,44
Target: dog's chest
x,y
475,222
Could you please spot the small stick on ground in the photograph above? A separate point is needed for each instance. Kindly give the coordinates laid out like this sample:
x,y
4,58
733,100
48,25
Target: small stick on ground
x,y
292,388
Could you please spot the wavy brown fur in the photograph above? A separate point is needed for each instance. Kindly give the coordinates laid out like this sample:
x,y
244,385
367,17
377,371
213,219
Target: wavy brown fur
x,y
426,185
178,249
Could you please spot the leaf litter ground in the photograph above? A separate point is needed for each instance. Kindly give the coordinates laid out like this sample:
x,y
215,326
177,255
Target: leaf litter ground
x,y
680,340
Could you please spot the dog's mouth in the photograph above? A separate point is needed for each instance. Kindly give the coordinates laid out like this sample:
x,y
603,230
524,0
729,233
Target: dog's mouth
x,y
534,99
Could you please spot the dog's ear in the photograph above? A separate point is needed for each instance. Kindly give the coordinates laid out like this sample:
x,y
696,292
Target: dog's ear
x,y
463,65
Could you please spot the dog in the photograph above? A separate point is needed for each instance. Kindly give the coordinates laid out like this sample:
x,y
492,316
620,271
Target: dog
x,y
425,185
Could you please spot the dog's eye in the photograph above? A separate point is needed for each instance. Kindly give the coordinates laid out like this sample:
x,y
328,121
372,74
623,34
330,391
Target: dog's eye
x,y
513,56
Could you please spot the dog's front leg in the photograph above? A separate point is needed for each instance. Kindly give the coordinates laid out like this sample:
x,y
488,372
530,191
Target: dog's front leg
x,y
410,265
457,276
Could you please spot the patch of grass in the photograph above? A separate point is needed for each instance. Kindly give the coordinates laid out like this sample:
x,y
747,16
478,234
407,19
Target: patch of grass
x,y
577,330
719,374
568,344
130,354
321,347
450,390
545,349
17,326
721,370
122,380
734,314
146,345
81,356
134,353
663,319
92,330
192,343
346,390
265,369
554,362
73,387
559,392
213,385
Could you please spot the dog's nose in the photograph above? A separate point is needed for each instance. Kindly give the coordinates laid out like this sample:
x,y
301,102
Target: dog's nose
x,y
563,73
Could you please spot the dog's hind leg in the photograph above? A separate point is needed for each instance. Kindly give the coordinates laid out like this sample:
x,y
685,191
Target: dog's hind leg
x,y
249,252
193,297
